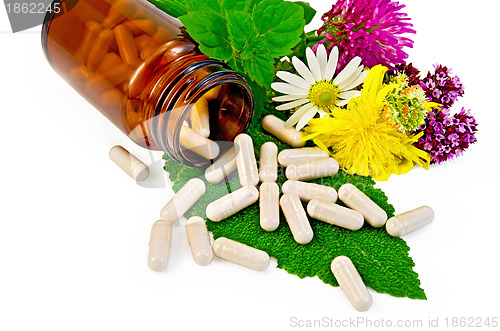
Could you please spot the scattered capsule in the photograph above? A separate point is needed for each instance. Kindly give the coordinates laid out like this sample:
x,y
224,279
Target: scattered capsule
x,y
269,206
410,221
241,254
334,214
245,160
159,245
232,203
296,218
309,191
199,240
126,45
297,155
268,165
198,144
357,200
276,127
184,199
221,168
309,170
351,283
134,167
200,118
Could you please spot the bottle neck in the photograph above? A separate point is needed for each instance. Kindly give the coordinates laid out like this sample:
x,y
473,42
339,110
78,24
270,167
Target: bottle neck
x,y
174,94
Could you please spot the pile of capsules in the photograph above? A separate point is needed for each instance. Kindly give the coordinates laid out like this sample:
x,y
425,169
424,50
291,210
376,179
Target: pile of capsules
x,y
302,164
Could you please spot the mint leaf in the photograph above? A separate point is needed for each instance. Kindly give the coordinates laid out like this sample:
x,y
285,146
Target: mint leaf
x,y
242,29
204,5
382,260
210,30
174,8
251,5
309,12
281,23
239,5
259,96
248,34
259,65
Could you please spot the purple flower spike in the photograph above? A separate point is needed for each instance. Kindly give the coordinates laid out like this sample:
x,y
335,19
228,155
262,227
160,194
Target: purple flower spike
x,y
447,136
370,29
442,87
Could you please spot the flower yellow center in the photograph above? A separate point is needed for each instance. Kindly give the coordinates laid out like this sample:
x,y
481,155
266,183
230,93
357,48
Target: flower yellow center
x,y
324,94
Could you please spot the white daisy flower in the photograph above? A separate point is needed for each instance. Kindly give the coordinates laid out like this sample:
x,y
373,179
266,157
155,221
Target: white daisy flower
x,y
316,90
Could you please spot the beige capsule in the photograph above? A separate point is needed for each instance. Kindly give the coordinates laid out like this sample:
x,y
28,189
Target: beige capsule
x,y
159,245
410,221
276,127
309,191
241,254
184,199
351,283
334,214
196,143
357,200
269,206
199,240
200,118
245,160
314,169
221,168
297,155
213,93
296,218
134,167
268,165
232,203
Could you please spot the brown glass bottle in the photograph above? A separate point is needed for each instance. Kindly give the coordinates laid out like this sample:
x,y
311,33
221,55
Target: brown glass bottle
x,y
131,61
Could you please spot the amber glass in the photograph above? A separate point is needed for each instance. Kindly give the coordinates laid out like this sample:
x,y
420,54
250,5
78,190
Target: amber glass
x,y
131,61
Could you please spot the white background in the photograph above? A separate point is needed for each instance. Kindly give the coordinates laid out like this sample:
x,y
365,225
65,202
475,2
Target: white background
x,y
74,229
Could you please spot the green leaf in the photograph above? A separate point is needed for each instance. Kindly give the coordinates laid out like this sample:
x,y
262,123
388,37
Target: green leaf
x,y
382,260
241,29
174,8
248,34
309,12
251,5
204,5
259,66
239,5
210,31
281,23
259,96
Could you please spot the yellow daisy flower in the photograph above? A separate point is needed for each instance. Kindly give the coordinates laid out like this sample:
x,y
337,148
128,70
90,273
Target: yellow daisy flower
x,y
362,140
